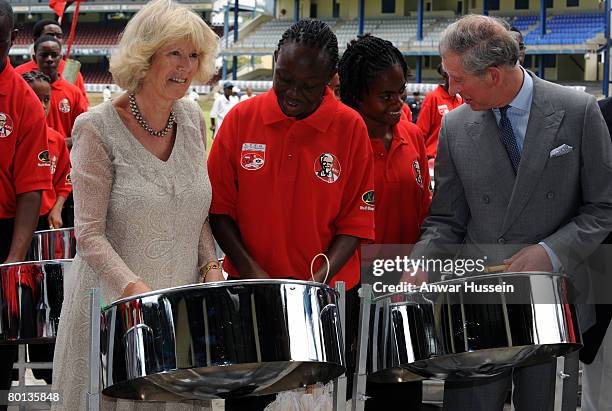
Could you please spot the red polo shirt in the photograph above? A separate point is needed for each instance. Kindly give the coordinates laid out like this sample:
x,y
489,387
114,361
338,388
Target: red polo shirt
x,y
401,184
60,171
66,104
436,104
24,159
292,185
32,66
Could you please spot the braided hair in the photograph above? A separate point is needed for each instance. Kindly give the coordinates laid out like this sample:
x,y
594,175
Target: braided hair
x,y
312,33
34,76
363,59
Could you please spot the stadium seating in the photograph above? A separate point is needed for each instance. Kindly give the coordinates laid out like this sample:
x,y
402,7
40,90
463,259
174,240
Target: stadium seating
x,y
570,29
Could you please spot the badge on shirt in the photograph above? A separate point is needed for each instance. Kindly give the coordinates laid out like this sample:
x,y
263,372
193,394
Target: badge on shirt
x,y
43,159
327,167
6,125
368,200
443,109
417,173
253,156
68,179
64,105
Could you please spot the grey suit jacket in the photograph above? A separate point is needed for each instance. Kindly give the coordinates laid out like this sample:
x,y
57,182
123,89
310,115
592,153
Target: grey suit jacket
x,y
565,201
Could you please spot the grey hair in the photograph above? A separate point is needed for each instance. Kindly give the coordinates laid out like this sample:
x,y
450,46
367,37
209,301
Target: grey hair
x,y
482,42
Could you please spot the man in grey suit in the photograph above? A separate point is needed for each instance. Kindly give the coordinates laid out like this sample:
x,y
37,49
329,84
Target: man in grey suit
x,y
524,161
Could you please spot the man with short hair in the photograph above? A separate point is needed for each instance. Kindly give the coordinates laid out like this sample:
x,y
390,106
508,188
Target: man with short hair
x,y
248,94
222,105
24,169
521,42
50,28
524,161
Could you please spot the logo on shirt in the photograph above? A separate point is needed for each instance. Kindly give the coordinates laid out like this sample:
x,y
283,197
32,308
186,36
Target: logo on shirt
x,y
53,164
327,168
443,109
6,125
64,105
368,199
43,158
253,156
417,173
69,179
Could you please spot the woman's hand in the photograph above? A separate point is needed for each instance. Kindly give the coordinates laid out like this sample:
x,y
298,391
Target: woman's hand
x,y
215,274
137,287
55,218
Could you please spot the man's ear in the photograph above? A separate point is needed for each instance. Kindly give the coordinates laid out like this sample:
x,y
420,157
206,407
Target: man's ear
x,y
495,74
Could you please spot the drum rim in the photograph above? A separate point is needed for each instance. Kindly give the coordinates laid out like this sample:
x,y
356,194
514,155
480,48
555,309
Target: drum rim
x,y
221,284
54,230
37,262
480,277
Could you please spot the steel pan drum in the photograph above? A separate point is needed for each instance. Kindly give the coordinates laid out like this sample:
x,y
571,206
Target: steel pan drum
x,y
52,245
31,296
453,335
225,339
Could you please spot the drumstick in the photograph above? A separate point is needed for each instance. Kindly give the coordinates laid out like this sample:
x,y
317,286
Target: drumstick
x,y
493,269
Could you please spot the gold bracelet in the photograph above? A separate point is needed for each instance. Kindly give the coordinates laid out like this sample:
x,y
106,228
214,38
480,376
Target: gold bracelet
x,y
205,269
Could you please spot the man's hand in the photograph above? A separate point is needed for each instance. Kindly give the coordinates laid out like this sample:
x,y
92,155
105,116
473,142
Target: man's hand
x,y
55,218
531,258
418,278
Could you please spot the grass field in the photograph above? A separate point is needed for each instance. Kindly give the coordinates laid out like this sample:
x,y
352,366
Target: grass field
x,y
205,102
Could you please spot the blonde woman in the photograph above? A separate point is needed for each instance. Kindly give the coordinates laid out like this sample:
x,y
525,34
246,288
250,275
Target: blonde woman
x,y
141,188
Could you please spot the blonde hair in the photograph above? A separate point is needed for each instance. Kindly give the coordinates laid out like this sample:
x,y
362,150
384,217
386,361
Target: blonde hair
x,y
158,23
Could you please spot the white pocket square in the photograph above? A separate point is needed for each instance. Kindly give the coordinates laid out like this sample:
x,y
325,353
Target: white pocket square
x,y
561,151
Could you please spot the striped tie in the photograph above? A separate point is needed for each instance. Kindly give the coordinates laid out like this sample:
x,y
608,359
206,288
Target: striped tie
x,y
507,137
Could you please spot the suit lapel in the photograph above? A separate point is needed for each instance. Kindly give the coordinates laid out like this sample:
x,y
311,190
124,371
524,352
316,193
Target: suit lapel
x,y
542,128
493,157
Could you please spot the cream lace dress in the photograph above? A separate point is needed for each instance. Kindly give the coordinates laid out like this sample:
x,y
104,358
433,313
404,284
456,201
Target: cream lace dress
x,y
137,217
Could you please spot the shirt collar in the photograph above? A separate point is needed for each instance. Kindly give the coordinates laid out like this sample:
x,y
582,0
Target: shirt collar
x,y
6,78
522,101
320,119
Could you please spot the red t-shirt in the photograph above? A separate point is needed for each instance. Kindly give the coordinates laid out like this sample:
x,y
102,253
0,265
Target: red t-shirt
x,y
24,159
32,66
401,185
292,185
436,104
60,171
66,104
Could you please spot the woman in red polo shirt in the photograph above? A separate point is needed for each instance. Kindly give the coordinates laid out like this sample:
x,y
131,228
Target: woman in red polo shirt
x,y
288,170
57,156
372,81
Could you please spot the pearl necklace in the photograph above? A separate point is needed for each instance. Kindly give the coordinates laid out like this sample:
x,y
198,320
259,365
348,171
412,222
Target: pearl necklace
x,y
138,116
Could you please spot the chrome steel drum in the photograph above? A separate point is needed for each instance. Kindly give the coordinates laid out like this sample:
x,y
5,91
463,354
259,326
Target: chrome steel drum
x,y
400,334
225,339
456,334
52,245
31,296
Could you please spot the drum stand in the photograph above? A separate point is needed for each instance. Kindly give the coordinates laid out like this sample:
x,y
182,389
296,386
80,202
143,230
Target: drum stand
x,y
340,382
361,375
566,384
93,392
